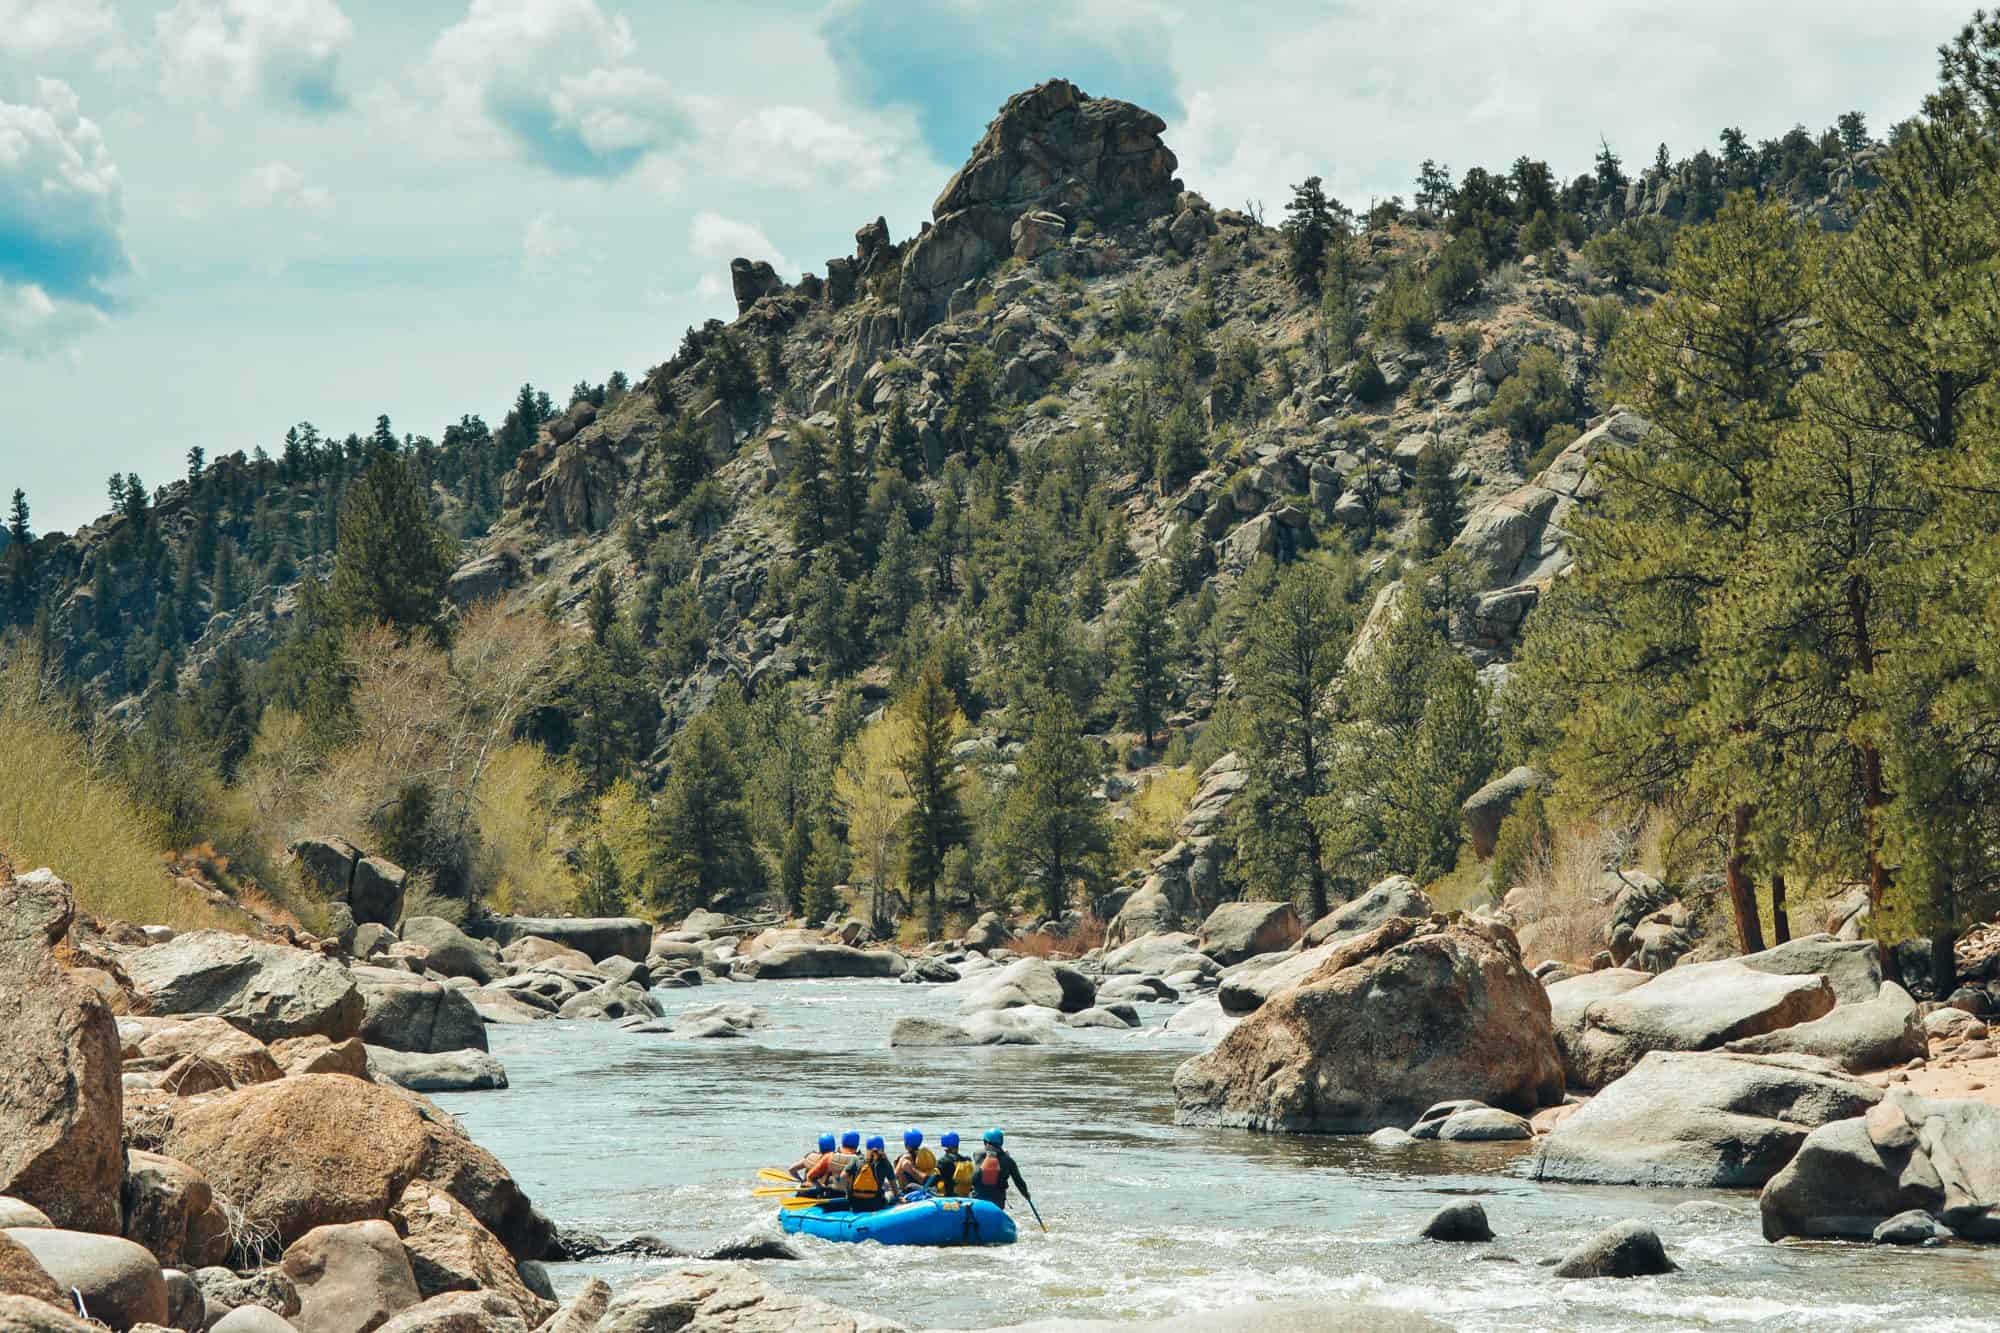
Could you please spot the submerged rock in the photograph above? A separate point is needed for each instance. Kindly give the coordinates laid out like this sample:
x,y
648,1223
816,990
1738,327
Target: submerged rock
x,y
1624,1249
1463,1220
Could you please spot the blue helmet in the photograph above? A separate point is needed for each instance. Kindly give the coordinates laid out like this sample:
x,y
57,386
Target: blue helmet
x,y
913,1139
826,1143
874,1143
851,1140
994,1138
950,1138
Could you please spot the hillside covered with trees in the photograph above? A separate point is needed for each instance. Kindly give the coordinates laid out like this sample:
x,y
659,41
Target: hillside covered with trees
x,y
1102,545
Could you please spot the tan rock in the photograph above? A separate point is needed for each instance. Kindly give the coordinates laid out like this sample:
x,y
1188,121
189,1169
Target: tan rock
x,y
22,1275
171,1210
25,1314
728,1297
351,1278
243,1058
451,1251
317,1055
62,1099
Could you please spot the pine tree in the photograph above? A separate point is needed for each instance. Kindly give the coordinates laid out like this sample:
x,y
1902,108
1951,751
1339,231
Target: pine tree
x,y
1145,648
969,422
393,558
812,500
936,820
602,892
900,438
897,586
17,566
1054,832
1182,450
1438,499
1308,230
1291,650
793,862
702,852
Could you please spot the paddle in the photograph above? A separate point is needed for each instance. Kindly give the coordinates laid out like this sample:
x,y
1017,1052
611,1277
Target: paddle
x,y
1037,1212
775,1176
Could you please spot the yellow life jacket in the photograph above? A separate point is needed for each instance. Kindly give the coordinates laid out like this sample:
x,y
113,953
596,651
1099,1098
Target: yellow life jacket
x,y
922,1163
955,1176
867,1182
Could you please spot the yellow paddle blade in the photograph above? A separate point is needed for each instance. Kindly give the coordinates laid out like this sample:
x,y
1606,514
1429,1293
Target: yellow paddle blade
x,y
772,1191
800,1203
776,1176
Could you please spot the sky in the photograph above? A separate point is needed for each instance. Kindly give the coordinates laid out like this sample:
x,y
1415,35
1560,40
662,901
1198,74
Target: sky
x,y
222,217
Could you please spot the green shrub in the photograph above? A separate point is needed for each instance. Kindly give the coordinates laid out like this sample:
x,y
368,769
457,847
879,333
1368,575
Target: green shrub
x,y
1559,438
1534,398
1365,381
1522,834
1454,277
1048,406
1404,310
1603,316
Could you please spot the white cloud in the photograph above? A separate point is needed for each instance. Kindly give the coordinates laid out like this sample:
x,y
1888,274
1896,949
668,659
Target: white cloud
x,y
281,185
549,247
38,27
554,79
714,236
61,219
283,51
796,146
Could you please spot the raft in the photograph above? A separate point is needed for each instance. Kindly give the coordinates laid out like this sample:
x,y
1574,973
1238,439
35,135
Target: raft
x,y
928,1221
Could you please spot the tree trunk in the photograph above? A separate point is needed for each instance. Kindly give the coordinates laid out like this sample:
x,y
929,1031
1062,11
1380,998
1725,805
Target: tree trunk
x,y
1781,923
1944,963
1742,894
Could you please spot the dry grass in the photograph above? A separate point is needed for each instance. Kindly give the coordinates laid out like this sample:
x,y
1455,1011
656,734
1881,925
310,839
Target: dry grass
x,y
1088,935
60,809
1559,896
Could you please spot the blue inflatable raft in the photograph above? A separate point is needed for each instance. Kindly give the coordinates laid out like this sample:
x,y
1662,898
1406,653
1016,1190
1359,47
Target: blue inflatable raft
x,y
928,1221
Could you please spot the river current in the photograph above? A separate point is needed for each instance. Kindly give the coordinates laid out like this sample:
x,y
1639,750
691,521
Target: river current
x,y
623,1134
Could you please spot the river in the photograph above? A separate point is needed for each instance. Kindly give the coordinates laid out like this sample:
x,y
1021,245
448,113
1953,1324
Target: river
x,y
625,1134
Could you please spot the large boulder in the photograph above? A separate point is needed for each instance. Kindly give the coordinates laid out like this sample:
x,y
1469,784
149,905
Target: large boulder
x,y
1699,1119
22,1275
375,895
1938,1156
468,1312
1486,809
1151,912
326,862
1029,981
1236,931
1697,1007
444,1071
1398,895
726,1296
1852,967
265,1289
988,933
792,962
449,1250
62,1102
407,1013
1245,987
350,1277
1392,1023
453,953
270,991
596,937
323,1149
119,1280
1623,1249
215,1041
1571,998
1858,1037
1158,956
171,1210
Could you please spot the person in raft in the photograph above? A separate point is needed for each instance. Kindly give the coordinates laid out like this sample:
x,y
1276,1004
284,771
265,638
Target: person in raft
x,y
953,1176
805,1169
870,1179
993,1168
917,1165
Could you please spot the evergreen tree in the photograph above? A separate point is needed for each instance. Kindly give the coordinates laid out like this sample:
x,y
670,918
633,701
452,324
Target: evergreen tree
x,y
812,500
1054,832
793,862
897,585
969,423
17,566
1308,229
1145,653
602,892
227,714
613,709
393,558
900,438
1290,653
1182,450
1438,499
700,830
936,820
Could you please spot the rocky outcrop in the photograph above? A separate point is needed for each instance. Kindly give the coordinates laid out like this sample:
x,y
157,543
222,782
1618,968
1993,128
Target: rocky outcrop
x,y
795,961
1235,932
269,990
750,281
408,1013
1570,999
1392,1023
442,1071
1029,982
449,1250
324,1149
1700,1119
61,1099
596,937
452,952
1939,1157
1398,895
727,1297
1696,1007
1052,150
1879,1034
371,886
1852,967
242,1058
1487,808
